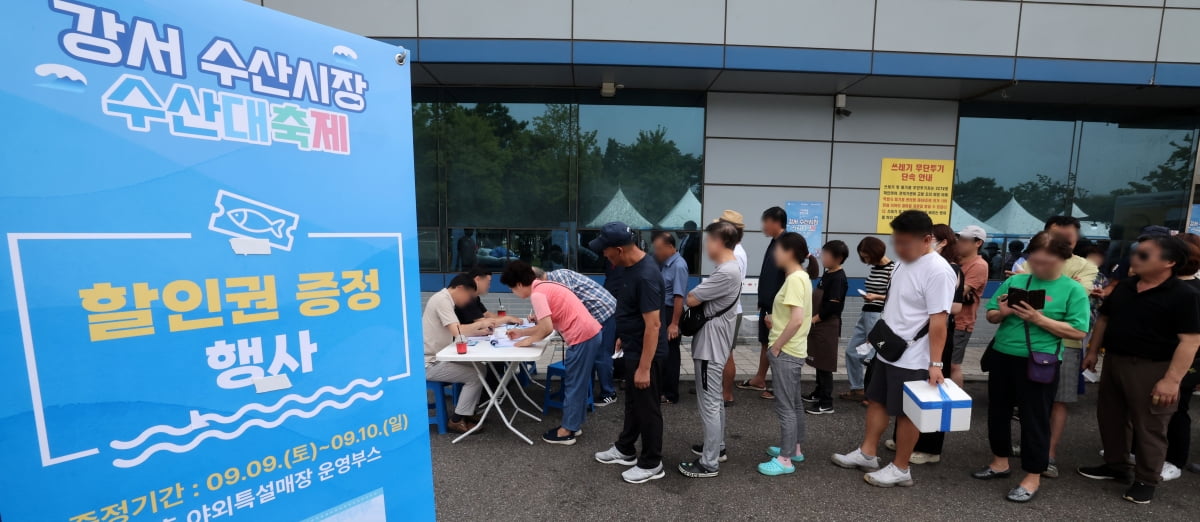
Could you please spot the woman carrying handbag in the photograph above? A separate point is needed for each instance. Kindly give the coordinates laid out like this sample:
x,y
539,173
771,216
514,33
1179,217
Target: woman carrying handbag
x,y
1035,311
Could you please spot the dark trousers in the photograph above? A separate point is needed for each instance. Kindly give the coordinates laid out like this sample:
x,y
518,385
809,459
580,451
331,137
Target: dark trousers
x,y
1008,387
643,415
1128,419
670,368
1179,430
823,393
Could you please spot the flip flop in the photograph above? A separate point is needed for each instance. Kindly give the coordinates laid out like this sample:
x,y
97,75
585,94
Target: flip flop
x,y
767,395
745,385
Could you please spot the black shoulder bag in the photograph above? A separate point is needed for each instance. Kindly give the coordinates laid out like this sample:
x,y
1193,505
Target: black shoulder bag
x,y
693,318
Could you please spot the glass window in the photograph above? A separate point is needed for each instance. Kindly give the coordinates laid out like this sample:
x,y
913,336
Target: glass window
x,y
1014,173
429,249
513,172
425,159
507,164
641,165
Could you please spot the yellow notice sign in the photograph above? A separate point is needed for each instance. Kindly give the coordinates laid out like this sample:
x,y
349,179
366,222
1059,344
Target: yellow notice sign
x,y
922,184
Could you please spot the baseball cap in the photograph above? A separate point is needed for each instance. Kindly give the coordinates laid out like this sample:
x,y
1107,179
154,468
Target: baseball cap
x,y
973,231
612,234
1154,230
732,216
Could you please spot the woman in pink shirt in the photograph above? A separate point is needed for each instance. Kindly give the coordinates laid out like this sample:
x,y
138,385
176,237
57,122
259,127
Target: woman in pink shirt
x,y
556,308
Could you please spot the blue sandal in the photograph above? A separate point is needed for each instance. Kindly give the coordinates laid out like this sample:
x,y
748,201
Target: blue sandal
x,y
773,468
774,451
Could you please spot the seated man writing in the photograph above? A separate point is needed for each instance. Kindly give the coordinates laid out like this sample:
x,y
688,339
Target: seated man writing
x,y
555,307
440,327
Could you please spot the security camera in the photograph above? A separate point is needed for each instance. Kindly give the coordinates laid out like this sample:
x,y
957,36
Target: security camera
x,y
609,89
839,106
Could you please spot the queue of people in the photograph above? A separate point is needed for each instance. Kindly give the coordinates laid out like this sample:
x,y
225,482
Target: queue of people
x,y
1054,316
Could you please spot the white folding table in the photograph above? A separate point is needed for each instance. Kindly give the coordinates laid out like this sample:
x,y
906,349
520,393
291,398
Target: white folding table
x,y
483,353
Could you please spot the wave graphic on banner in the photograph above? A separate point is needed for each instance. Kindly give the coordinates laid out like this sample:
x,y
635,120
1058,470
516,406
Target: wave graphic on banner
x,y
199,421
222,435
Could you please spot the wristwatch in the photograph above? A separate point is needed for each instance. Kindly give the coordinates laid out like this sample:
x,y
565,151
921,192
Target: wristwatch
x,y
937,364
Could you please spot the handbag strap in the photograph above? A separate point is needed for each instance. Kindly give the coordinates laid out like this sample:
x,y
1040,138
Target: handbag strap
x,y
1028,340
727,308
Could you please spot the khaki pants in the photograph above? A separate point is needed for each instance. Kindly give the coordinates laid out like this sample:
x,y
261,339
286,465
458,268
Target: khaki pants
x,y
458,372
1124,410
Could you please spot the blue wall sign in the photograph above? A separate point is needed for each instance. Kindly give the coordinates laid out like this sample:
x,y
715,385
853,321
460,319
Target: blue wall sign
x,y
807,218
209,296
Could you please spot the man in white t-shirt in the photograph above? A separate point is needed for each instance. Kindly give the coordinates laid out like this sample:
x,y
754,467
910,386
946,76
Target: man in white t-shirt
x,y
734,218
917,309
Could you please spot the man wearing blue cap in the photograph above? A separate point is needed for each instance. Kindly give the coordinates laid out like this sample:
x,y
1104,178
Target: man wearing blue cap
x,y
643,338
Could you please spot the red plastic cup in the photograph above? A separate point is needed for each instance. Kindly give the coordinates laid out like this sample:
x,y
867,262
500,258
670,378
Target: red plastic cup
x,y
501,312
462,347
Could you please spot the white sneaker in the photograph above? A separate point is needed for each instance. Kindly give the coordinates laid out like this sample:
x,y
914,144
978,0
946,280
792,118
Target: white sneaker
x,y
614,456
888,477
924,458
636,475
1170,472
618,354
856,459
890,444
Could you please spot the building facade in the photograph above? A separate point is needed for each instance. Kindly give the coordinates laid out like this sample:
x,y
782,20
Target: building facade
x,y
538,120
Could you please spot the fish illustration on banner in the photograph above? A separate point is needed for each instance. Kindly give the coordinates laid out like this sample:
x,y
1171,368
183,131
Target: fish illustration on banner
x,y
158,371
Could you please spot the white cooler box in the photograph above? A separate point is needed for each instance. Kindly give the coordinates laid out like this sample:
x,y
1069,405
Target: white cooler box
x,y
937,408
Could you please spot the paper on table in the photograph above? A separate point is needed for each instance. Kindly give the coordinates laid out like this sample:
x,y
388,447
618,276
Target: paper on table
x,y
506,343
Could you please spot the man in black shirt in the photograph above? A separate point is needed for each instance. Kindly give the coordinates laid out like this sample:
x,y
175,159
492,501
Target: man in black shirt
x,y
1149,327
475,310
643,338
770,280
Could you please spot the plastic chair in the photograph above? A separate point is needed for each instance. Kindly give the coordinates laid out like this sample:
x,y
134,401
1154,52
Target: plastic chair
x,y
441,413
554,398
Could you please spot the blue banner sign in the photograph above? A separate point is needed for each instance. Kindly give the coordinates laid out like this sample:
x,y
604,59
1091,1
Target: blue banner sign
x,y
807,218
210,304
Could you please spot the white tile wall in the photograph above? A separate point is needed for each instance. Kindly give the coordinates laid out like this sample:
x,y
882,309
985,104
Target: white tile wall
x,y
1089,32
770,116
853,210
752,201
892,120
858,164
1130,3
766,162
549,19
938,26
1180,37
834,24
755,244
691,21
366,17
854,267
1194,4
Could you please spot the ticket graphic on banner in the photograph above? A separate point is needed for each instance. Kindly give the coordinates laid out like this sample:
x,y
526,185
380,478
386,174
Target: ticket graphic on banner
x,y
156,371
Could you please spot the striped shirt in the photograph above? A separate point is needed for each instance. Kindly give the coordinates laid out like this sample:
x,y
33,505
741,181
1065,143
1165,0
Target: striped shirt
x,y
878,282
599,302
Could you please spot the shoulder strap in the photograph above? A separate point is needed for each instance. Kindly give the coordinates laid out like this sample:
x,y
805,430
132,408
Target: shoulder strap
x,y
727,308
1028,340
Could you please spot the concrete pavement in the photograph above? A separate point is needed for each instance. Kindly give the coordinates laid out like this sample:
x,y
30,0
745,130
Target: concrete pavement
x,y
496,476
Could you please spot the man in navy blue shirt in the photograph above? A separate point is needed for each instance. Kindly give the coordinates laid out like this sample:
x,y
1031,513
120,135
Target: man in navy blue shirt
x,y
675,279
643,337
